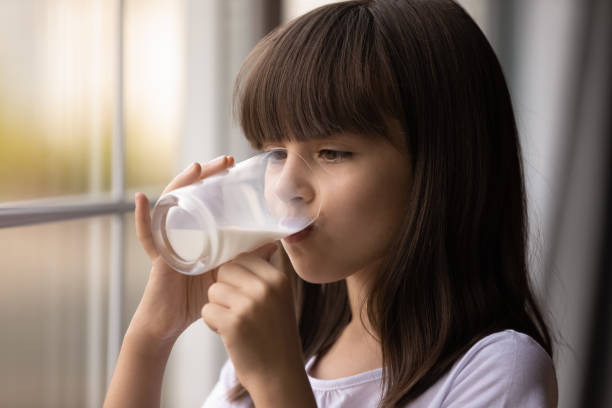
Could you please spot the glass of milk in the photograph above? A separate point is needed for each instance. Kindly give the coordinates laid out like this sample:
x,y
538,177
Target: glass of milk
x,y
260,200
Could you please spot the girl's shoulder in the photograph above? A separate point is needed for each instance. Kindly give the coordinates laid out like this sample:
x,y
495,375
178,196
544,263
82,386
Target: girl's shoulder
x,y
505,368
510,347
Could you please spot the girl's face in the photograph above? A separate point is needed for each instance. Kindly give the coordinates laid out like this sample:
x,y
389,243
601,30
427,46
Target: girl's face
x,y
361,185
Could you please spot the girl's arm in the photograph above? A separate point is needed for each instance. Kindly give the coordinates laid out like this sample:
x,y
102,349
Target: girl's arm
x,y
137,381
289,389
170,303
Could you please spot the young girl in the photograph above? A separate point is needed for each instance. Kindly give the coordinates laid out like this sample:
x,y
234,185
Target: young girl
x,y
411,288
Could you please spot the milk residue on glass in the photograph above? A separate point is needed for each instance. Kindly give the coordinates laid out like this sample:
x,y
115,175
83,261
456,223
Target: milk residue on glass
x,y
189,244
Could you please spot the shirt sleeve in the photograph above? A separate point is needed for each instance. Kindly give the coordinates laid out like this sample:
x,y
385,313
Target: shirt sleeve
x,y
218,396
512,372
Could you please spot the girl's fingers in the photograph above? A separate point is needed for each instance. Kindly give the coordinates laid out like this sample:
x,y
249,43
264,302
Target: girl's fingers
x,y
190,175
260,266
216,317
258,262
265,251
143,225
239,277
197,172
186,177
216,165
225,295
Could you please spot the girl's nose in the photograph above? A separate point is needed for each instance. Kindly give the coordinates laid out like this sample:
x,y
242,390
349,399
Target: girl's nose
x,y
294,185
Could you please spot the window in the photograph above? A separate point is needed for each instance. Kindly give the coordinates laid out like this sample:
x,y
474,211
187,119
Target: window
x,y
99,99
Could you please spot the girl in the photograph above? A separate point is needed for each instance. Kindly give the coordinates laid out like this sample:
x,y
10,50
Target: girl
x,y
411,289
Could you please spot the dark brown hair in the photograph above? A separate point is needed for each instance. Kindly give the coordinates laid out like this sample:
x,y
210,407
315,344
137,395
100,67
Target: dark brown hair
x,y
457,270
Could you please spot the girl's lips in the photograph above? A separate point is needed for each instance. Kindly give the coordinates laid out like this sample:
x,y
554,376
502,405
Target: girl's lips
x,y
299,236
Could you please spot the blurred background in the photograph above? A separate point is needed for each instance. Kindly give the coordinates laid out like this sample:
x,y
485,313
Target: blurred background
x,y
100,98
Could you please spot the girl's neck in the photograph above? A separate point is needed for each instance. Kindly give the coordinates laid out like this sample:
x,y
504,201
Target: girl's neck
x,y
356,339
358,286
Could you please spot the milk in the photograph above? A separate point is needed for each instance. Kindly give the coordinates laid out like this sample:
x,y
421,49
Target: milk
x,y
200,226
188,244
192,244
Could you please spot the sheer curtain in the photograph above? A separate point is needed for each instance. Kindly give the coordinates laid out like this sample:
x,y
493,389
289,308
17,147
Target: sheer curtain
x,y
219,35
556,57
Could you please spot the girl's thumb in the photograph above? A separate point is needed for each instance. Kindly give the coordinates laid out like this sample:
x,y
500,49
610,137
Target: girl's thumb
x,y
266,251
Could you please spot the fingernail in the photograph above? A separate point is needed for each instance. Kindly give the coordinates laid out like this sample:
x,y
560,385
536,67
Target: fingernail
x,y
217,160
190,167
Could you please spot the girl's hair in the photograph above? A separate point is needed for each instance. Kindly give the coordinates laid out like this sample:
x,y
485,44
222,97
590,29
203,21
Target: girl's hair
x,y
457,270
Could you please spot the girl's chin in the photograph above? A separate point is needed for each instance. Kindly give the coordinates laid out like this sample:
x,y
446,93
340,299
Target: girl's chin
x,y
316,280
319,277
314,270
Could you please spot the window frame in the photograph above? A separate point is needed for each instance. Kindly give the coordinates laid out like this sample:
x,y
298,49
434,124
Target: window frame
x,y
39,211
116,204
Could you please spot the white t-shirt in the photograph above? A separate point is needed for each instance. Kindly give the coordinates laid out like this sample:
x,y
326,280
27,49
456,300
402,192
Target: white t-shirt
x,y
504,369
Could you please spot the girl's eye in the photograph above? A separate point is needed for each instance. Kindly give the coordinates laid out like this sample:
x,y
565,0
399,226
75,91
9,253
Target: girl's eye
x,y
277,155
334,156
327,155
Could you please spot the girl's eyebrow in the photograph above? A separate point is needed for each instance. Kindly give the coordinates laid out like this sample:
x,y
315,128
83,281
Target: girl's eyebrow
x,y
336,137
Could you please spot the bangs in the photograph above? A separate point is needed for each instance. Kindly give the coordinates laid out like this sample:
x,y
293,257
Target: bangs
x,y
320,74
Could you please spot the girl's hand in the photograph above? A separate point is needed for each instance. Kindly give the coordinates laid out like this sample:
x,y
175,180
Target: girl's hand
x,y
171,300
251,306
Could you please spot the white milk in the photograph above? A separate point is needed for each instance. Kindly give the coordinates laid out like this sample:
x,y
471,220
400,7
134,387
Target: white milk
x,y
190,244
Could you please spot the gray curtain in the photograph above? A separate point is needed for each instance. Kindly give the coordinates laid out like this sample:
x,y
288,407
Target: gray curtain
x,y
557,58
